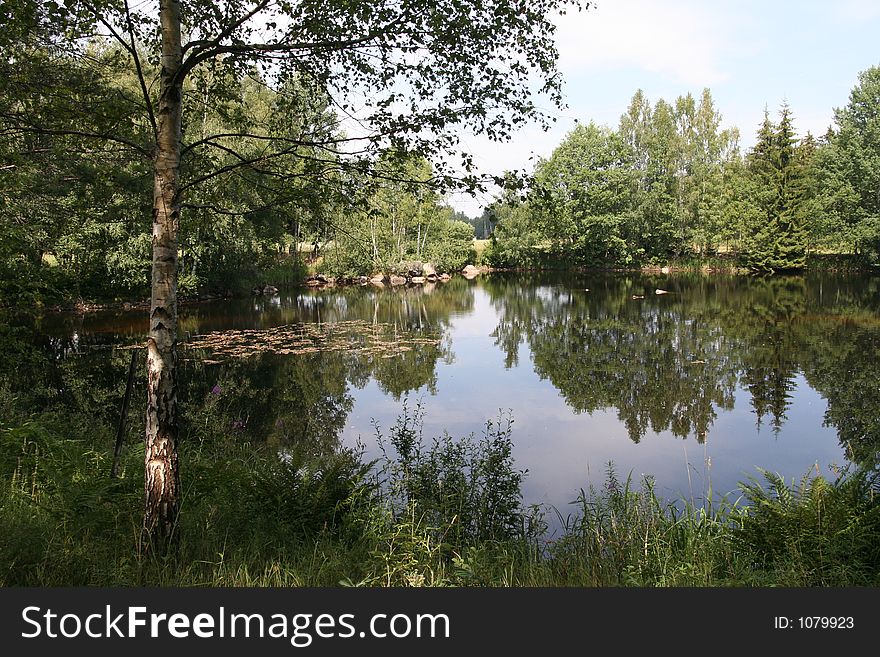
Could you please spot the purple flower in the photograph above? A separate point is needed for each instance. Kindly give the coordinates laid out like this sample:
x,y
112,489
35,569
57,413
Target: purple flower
x,y
216,389
238,424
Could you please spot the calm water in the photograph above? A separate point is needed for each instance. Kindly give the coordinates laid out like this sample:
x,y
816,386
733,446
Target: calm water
x,y
695,387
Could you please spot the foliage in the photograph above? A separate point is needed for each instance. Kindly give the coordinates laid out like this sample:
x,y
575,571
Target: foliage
x,y
405,222
779,241
453,248
848,172
468,489
667,181
483,225
813,532
82,215
670,182
624,536
264,162
255,520
515,242
583,198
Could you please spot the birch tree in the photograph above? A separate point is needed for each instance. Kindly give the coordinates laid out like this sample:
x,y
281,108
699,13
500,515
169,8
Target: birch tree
x,y
411,75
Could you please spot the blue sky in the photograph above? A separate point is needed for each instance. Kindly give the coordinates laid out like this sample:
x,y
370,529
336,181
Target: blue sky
x,y
751,54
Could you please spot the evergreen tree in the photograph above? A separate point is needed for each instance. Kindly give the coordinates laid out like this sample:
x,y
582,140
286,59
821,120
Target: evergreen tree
x,y
807,162
779,242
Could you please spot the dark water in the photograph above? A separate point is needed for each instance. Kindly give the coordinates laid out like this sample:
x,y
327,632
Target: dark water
x,y
696,387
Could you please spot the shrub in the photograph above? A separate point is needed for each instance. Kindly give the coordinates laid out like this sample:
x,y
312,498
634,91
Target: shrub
x,y
468,490
453,248
286,270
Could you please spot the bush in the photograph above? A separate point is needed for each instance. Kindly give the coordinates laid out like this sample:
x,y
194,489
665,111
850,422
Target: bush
x,y
286,270
453,248
347,260
467,490
407,268
304,495
515,242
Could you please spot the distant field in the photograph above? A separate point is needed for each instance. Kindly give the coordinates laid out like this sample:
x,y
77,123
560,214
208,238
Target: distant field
x,y
479,247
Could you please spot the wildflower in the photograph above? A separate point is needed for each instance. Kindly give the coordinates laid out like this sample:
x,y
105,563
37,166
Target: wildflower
x,y
216,390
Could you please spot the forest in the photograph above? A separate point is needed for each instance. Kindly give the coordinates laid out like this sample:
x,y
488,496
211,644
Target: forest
x,y
271,194
199,150
670,185
265,179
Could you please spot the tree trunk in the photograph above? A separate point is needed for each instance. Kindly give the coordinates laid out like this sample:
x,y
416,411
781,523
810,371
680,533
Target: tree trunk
x,y
161,473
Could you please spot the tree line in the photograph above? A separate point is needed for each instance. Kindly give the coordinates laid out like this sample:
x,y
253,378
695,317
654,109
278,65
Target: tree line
x,y
669,183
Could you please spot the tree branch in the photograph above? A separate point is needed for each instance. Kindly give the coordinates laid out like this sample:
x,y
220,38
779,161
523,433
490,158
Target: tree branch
x,y
113,31
324,145
228,31
232,167
140,74
200,55
83,133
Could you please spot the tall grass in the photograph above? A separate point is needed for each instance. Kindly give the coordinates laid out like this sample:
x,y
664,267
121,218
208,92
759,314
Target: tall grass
x,y
627,536
286,271
444,512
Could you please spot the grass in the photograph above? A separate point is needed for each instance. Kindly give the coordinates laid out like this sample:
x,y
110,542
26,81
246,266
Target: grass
x,y
445,512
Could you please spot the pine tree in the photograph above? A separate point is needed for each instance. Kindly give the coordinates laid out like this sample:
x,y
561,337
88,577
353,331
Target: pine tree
x,y
779,242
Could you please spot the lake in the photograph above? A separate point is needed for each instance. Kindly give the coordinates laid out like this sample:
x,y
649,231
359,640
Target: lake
x,y
696,386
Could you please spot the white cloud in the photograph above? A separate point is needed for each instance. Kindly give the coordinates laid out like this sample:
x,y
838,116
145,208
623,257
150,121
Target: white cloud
x,y
858,10
682,39
494,158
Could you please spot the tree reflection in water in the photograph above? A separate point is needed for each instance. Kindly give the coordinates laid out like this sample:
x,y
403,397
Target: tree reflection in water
x,y
664,362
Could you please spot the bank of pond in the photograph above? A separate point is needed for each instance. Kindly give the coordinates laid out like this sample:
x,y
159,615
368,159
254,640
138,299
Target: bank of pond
x,y
447,513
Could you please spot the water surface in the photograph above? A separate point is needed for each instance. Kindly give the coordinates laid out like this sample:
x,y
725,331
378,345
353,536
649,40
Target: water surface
x,y
696,387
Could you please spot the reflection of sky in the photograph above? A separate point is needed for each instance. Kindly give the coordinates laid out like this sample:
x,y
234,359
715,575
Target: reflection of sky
x,y
564,451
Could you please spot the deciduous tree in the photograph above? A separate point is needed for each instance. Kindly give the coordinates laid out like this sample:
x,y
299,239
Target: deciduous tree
x,y
849,171
406,74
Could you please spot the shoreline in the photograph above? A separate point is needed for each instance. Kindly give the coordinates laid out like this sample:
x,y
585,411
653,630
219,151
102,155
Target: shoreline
x,y
321,282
